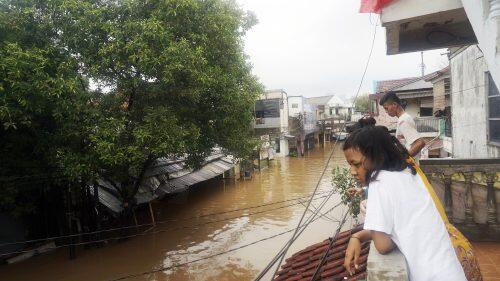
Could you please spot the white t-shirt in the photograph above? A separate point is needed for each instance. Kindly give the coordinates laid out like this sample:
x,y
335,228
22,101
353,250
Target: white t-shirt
x,y
406,131
400,206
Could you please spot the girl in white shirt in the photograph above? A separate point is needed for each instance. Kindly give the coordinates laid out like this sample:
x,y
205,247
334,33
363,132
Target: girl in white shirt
x,y
400,212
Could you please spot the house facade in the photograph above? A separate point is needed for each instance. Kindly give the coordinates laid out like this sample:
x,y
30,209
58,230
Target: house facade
x,y
331,106
475,103
271,121
302,124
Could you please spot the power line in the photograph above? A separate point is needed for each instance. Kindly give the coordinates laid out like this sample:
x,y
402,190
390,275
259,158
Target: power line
x,y
215,255
157,222
156,232
330,245
260,276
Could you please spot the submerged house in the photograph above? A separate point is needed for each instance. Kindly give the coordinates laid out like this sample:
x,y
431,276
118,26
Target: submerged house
x,y
164,177
271,121
302,124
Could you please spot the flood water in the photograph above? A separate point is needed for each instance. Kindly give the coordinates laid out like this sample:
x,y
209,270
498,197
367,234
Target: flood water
x,y
202,230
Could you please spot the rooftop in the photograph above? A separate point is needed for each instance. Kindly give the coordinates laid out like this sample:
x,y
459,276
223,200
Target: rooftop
x,y
303,264
320,100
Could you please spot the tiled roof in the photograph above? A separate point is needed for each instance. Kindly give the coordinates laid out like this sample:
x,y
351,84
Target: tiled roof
x,y
387,85
302,265
437,73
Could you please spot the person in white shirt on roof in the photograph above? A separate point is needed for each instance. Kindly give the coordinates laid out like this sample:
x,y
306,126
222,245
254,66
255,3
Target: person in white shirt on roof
x,y
406,130
400,211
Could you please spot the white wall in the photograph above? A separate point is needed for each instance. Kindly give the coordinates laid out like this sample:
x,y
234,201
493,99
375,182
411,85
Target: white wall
x,y
406,9
486,24
284,114
469,106
299,101
413,107
284,150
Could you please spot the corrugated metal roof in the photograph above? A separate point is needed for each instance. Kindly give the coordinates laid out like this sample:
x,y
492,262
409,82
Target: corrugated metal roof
x,y
209,171
165,177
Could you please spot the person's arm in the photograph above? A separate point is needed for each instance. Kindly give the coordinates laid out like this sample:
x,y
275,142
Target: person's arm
x,y
412,136
416,146
381,240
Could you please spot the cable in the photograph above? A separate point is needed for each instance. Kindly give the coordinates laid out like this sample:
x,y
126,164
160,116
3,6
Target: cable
x,y
329,159
291,241
211,256
156,232
158,222
330,245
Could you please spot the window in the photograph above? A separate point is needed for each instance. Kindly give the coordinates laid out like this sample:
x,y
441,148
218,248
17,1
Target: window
x,y
295,105
425,111
493,110
336,111
267,108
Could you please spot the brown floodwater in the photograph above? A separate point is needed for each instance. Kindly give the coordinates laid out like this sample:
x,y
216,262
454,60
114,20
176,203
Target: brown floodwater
x,y
196,235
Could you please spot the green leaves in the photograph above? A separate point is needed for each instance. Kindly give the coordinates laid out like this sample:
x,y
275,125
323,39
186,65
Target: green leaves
x,y
99,88
342,181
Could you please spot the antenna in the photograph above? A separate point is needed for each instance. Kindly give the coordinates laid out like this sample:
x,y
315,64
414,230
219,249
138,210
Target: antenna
x,y
422,64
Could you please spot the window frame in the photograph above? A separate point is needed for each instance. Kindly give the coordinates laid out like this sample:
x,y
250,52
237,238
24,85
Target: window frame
x,y
488,79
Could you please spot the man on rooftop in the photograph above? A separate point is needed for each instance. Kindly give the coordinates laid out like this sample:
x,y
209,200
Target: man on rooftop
x,y
406,130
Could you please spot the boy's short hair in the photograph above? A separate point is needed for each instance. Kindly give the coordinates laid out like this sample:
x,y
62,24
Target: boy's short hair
x,y
390,97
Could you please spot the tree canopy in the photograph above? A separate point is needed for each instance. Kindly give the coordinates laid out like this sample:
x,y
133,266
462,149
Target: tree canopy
x,y
362,103
102,88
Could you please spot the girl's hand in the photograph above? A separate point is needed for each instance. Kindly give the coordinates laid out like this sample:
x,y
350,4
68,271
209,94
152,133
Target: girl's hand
x,y
352,255
355,191
362,207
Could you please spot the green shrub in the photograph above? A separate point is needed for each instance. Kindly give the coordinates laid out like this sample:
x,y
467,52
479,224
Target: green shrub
x,y
342,181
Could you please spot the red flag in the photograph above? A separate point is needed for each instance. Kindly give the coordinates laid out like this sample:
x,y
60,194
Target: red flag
x,y
373,6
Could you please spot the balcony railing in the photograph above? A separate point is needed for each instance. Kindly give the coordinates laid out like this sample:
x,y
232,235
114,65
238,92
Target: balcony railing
x,y
427,124
469,190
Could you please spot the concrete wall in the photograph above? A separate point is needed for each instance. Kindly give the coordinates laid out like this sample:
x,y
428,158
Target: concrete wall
x,y
299,101
284,115
441,100
484,16
284,149
469,105
405,9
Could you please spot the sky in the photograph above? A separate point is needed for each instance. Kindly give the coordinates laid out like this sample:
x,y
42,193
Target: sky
x,y
320,47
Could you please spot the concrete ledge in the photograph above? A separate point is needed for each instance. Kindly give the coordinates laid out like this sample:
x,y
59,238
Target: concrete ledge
x,y
390,267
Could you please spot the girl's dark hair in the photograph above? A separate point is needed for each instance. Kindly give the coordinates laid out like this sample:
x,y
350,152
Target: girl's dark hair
x,y
381,148
366,121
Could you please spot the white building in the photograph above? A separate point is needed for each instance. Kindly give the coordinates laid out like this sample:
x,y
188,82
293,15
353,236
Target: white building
x,y
331,106
475,104
299,105
271,118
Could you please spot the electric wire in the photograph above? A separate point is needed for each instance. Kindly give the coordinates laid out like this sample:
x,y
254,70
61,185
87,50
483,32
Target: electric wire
x,y
218,254
326,165
157,231
156,223
330,245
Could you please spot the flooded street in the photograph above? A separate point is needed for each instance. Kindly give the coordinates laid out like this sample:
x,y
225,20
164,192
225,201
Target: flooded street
x,y
206,224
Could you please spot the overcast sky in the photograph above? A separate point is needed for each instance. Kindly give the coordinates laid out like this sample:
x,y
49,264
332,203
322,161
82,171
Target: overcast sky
x,y
319,47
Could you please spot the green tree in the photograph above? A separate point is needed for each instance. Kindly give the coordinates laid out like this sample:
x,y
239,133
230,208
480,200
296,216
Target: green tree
x,y
43,109
168,78
362,103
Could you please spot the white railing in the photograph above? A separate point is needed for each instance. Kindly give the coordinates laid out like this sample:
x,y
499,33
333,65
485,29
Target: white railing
x,y
427,124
